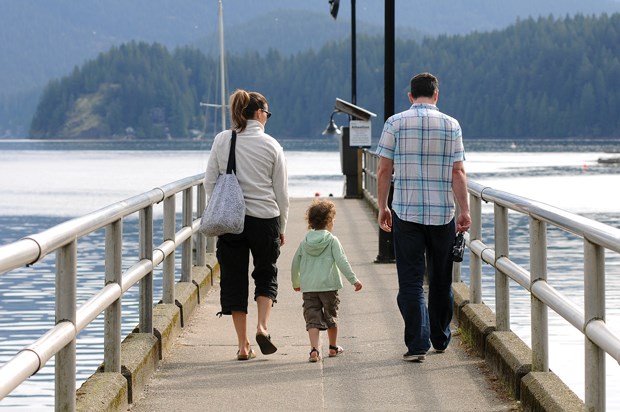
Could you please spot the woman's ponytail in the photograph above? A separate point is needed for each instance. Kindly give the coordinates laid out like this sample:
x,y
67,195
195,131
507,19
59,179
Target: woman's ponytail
x,y
243,105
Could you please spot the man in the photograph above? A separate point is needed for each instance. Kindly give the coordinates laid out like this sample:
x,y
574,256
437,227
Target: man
x,y
424,149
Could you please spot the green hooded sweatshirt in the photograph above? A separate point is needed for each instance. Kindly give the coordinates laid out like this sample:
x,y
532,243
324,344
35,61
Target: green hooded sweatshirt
x,y
318,261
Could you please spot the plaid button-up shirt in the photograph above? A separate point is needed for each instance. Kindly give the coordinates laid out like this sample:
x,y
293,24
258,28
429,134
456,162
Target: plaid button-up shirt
x,y
423,143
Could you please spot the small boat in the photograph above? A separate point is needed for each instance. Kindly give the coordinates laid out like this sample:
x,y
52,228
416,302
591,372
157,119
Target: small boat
x,y
609,160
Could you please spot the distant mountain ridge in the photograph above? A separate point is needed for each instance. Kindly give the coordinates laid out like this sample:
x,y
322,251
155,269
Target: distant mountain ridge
x,y
544,77
45,39
42,40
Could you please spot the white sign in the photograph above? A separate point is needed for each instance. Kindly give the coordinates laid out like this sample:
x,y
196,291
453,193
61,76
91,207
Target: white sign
x,y
359,133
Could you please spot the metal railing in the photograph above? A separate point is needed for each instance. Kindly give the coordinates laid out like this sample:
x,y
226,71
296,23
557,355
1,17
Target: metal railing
x,y
370,161
590,321
60,340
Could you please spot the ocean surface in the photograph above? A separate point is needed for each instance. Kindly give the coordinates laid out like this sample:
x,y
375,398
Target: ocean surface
x,y
43,183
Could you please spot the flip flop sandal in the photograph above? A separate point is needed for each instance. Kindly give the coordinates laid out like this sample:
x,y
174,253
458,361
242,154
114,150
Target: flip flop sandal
x,y
336,348
265,344
250,355
314,358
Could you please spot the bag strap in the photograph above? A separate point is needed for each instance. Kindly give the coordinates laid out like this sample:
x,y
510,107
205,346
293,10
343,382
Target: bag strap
x,y
232,163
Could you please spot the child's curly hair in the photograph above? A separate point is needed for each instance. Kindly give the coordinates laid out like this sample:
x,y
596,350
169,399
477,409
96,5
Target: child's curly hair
x,y
320,214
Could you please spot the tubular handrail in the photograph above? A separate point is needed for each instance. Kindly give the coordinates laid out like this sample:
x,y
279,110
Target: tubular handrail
x,y
33,248
597,232
60,339
589,320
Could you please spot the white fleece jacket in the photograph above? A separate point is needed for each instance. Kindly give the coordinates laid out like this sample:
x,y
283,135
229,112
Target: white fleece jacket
x,y
261,171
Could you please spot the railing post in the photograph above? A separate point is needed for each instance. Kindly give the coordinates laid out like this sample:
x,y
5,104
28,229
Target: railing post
x,y
186,252
113,274
386,239
211,243
539,312
456,266
201,240
370,174
66,292
169,261
594,309
146,283
502,291
475,262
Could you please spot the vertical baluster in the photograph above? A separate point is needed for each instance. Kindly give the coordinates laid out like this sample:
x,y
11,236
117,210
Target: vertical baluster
x,y
502,291
186,251
210,240
368,163
594,297
201,240
113,274
539,312
169,261
146,283
475,262
456,266
375,186
66,292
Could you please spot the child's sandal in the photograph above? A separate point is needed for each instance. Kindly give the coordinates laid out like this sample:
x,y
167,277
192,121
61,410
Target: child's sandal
x,y
316,357
337,350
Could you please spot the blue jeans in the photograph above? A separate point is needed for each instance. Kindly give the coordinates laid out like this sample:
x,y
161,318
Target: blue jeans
x,y
419,248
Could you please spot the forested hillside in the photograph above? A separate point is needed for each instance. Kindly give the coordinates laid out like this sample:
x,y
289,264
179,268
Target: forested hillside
x,y
541,77
42,40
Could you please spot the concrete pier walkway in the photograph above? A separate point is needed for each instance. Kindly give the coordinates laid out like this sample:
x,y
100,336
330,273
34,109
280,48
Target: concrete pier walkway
x,y
201,373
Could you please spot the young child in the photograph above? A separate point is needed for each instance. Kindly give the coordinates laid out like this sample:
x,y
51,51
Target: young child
x,y
315,271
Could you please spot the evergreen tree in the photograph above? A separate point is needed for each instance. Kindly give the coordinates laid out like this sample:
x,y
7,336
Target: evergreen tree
x,y
545,77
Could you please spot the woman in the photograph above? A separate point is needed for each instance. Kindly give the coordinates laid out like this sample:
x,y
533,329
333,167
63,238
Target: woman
x,y
262,175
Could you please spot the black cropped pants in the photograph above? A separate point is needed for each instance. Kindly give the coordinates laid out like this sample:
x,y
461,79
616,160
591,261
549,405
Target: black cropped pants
x,y
261,239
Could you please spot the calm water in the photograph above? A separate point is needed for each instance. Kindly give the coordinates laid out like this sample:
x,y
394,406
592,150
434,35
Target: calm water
x,y
45,183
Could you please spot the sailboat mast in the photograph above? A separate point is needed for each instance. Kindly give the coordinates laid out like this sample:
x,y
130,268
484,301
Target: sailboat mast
x,y
222,67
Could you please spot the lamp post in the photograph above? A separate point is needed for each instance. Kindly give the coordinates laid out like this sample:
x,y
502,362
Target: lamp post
x,y
334,5
386,239
388,65
386,247
389,36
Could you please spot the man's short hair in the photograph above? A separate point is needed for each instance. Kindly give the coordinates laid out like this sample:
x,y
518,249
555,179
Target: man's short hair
x,y
423,85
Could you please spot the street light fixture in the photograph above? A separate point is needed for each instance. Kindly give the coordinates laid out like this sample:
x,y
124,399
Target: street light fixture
x,y
386,247
333,7
351,152
332,128
354,112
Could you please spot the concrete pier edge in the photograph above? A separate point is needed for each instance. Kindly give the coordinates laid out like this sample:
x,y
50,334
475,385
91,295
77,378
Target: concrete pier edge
x,y
504,352
545,391
510,358
103,391
141,353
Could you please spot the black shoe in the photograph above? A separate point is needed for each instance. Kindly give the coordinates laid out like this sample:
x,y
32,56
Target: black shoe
x,y
414,357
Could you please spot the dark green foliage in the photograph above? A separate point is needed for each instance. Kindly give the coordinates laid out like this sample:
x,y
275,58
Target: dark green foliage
x,y
541,77
546,77
138,86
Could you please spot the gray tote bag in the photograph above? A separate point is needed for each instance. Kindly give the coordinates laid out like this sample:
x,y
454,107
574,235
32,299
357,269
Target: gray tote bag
x,y
225,211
